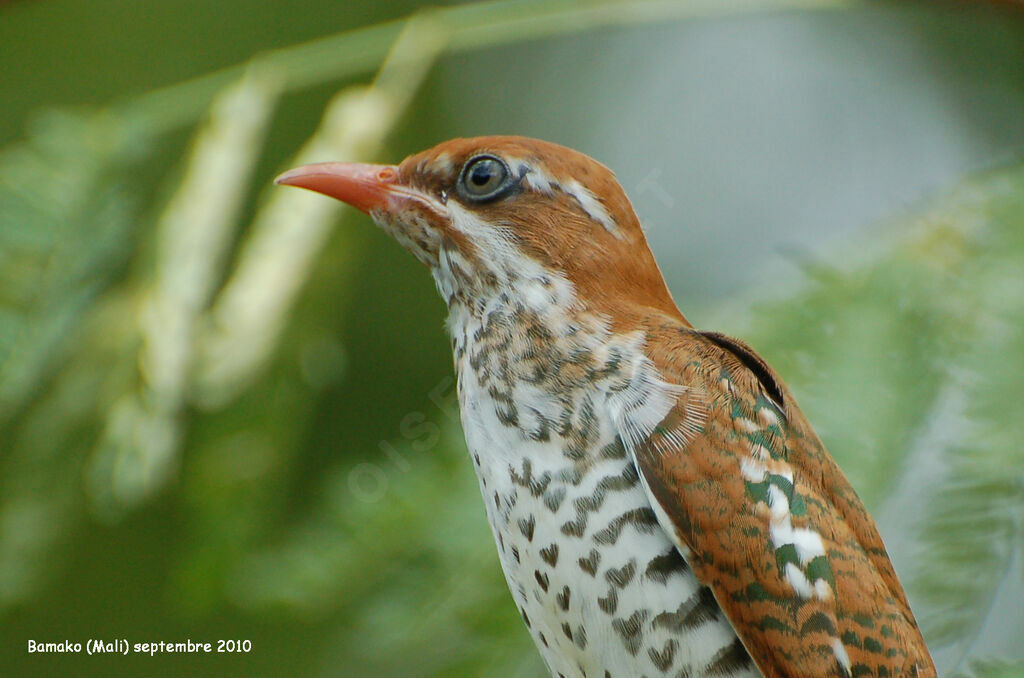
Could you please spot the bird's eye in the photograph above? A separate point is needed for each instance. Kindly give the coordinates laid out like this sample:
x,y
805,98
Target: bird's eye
x,y
484,178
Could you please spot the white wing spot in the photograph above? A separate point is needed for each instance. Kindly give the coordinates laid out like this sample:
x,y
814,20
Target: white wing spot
x,y
753,471
768,417
779,505
807,543
798,581
746,425
841,656
822,590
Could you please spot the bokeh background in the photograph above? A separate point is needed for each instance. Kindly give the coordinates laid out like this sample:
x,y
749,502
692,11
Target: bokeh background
x,y
226,408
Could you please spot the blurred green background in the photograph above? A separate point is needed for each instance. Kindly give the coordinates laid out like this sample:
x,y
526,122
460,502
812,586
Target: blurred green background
x,y
226,409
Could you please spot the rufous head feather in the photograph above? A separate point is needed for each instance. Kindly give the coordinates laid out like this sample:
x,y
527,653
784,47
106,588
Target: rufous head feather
x,y
500,201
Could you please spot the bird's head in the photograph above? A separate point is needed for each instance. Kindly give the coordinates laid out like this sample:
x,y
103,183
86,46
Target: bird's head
x,y
488,211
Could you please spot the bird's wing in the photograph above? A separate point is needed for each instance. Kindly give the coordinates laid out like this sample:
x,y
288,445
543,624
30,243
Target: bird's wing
x,y
768,521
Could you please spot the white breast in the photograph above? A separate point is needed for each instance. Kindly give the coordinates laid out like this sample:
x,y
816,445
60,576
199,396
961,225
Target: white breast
x,y
599,584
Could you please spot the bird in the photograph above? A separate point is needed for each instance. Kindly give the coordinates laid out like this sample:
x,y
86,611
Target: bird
x,y
660,504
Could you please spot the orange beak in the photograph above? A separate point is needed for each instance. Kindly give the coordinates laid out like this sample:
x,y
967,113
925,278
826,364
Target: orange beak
x,y
365,187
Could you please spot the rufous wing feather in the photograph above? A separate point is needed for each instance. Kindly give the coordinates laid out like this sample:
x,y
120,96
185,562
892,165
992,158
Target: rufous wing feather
x,y
769,522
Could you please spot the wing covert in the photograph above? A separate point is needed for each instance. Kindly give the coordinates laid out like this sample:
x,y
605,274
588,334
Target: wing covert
x,y
769,522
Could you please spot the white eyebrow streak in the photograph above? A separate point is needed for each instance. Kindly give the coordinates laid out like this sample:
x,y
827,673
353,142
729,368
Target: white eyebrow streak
x,y
542,182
